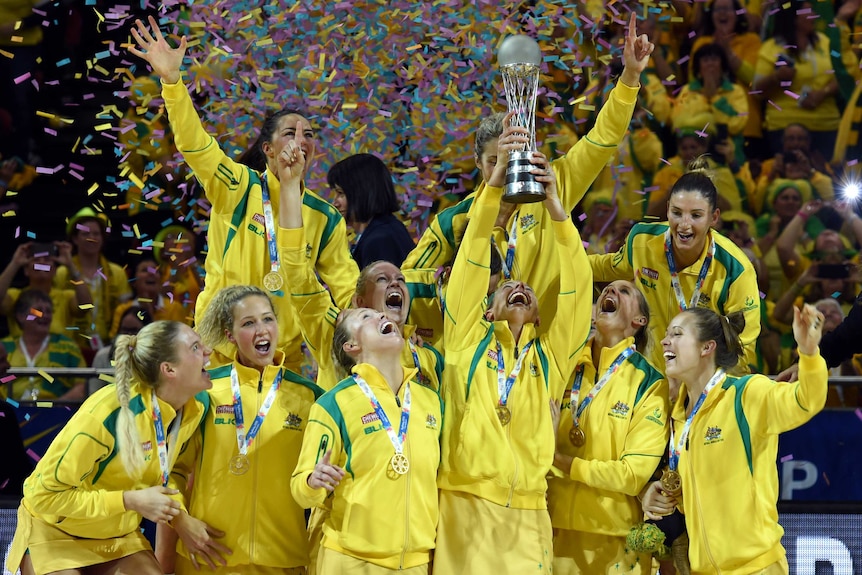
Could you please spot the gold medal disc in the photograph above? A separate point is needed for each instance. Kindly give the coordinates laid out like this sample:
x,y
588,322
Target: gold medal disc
x,y
238,465
504,414
577,436
671,482
273,281
399,463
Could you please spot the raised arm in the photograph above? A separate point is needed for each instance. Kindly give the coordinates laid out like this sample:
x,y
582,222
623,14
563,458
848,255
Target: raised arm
x,y
577,170
220,176
568,331
776,407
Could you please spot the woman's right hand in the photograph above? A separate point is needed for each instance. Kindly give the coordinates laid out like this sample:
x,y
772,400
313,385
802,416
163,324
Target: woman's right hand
x,y
153,503
656,504
513,139
807,329
153,48
325,474
199,539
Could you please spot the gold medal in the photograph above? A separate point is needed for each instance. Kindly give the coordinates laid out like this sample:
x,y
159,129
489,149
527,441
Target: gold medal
x,y
273,281
577,436
504,414
399,463
238,465
671,482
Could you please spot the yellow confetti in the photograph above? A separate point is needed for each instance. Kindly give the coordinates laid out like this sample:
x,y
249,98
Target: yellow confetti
x,y
45,403
45,374
85,306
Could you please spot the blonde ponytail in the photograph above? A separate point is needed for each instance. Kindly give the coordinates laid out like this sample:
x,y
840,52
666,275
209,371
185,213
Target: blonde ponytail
x,y
128,438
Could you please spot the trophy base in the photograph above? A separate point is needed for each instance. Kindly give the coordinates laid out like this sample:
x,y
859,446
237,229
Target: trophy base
x,y
521,186
523,194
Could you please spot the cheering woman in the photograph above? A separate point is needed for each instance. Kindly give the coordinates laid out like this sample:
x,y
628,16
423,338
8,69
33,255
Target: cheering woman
x,y
682,263
110,465
611,435
724,441
243,232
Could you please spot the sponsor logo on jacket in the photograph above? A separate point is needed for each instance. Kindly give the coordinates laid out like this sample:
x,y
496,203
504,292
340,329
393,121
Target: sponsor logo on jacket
x,y
528,222
655,416
369,417
713,435
147,446
431,421
293,421
259,219
620,410
649,273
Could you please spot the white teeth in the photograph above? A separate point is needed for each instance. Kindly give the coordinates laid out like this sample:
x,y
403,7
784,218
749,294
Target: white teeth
x,y
394,299
669,355
387,327
609,305
518,297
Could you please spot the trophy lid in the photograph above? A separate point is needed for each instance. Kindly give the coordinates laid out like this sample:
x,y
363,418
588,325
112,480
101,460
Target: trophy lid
x,y
519,49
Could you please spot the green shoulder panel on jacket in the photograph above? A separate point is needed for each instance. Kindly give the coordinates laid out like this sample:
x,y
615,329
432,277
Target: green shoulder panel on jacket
x,y
240,209
136,404
734,268
328,402
739,383
300,380
318,204
220,371
650,377
645,229
477,357
446,218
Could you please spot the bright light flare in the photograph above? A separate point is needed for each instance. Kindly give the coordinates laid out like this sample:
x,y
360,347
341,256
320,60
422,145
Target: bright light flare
x,y
852,191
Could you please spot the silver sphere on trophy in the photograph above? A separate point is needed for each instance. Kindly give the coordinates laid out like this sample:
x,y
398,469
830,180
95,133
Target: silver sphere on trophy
x,y
520,58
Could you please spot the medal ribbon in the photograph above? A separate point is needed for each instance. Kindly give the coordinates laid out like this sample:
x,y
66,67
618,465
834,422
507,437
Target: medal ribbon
x,y
674,278
161,441
578,408
269,222
244,440
400,439
509,262
676,449
415,355
505,384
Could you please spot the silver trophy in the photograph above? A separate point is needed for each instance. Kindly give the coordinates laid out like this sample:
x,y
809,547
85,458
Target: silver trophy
x,y
519,58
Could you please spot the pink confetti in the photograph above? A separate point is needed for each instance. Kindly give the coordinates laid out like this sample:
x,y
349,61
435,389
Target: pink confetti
x,y
33,455
22,78
859,413
787,458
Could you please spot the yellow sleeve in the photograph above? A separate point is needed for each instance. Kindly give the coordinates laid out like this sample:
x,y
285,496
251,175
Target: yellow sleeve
x,y
644,446
577,170
775,407
336,266
436,247
321,436
568,331
822,185
62,486
616,266
468,281
691,109
224,180
658,102
310,300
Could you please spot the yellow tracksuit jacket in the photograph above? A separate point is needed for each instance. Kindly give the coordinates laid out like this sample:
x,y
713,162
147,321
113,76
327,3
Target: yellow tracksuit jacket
x,y
377,516
506,465
263,525
317,317
732,520
730,284
626,426
238,252
536,259
78,485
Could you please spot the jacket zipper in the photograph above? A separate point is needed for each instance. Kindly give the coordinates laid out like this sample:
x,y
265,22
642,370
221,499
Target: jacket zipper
x,y
423,259
251,556
700,511
406,515
517,466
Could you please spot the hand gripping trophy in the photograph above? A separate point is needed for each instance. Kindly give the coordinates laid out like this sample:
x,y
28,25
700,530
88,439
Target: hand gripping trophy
x,y
519,58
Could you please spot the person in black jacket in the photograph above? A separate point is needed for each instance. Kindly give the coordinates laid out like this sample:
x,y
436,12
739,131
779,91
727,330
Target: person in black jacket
x,y
365,196
839,345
